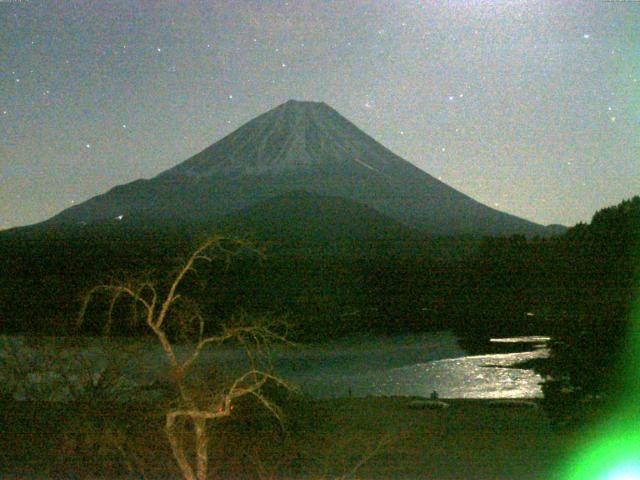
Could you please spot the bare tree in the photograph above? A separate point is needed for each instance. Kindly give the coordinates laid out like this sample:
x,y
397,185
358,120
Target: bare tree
x,y
159,308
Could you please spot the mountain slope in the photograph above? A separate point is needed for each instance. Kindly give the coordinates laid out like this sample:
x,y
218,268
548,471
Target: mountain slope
x,y
297,146
303,217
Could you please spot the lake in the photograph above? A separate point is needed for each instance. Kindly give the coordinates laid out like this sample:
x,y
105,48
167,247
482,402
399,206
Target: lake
x,y
410,365
415,365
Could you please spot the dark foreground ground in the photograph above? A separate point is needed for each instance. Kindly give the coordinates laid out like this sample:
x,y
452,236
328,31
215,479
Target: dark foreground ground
x,y
324,439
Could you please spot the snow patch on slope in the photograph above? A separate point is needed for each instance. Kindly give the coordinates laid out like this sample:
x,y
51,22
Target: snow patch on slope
x,y
366,165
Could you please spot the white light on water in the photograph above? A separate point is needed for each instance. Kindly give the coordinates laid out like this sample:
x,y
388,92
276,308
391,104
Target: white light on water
x,y
531,339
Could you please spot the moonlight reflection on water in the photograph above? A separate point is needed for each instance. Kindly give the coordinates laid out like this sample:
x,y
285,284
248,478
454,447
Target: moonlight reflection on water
x,y
479,376
483,376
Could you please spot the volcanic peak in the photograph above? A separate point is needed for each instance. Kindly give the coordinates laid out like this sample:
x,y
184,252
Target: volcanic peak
x,y
293,137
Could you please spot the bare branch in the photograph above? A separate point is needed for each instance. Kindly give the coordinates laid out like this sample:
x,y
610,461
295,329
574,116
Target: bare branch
x,y
154,296
115,291
384,441
112,304
171,296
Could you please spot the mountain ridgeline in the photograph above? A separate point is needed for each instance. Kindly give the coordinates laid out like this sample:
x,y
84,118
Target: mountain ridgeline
x,y
296,147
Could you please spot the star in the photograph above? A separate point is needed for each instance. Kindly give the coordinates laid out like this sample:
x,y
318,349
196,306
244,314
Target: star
x,y
88,145
124,125
586,36
159,49
284,65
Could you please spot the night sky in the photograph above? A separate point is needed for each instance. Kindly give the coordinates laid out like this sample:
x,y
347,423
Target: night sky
x,y
530,107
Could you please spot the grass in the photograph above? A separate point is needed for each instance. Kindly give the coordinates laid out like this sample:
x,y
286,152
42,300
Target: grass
x,y
470,439
325,438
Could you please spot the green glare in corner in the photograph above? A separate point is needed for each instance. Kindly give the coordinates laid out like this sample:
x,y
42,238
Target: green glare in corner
x,y
611,451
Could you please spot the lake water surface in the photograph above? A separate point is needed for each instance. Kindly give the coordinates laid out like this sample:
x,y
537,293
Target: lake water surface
x,y
411,365
416,365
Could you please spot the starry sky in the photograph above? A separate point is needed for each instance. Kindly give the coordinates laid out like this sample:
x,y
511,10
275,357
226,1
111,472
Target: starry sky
x,y
532,107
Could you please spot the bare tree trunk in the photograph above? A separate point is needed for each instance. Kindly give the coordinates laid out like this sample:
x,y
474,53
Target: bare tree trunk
x,y
202,459
178,451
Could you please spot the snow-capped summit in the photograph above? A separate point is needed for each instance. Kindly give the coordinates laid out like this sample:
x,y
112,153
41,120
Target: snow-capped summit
x,y
293,137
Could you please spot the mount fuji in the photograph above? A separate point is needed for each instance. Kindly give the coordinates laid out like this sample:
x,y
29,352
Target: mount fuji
x,y
295,147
